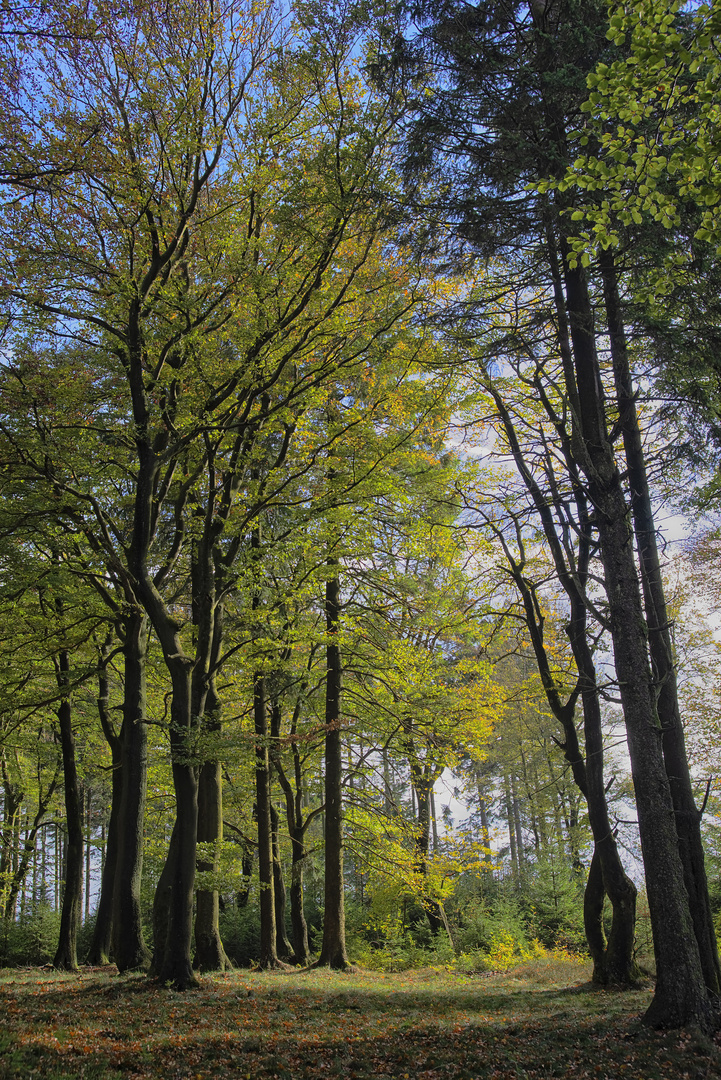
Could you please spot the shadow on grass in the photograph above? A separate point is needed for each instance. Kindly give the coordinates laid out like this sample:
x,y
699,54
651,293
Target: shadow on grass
x,y
105,1027
475,1052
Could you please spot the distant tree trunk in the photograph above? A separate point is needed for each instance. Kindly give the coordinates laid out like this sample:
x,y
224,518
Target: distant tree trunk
x,y
129,950
100,947
389,807
422,779
268,950
296,830
283,945
333,950
247,859
88,831
13,797
17,872
687,816
483,806
510,819
517,825
434,823
66,956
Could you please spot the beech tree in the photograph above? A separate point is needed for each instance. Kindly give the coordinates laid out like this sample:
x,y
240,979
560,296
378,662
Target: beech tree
x,y
189,283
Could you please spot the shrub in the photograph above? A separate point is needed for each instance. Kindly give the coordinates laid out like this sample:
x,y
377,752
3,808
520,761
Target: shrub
x,y
32,939
240,934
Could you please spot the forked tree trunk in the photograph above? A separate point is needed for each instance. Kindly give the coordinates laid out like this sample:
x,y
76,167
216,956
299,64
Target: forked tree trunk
x,y
299,926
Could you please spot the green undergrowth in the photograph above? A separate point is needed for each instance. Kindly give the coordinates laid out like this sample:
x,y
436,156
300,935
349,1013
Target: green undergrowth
x,y
539,1019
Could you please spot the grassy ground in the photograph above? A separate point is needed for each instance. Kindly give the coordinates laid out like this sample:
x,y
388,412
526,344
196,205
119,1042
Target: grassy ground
x,y
540,1020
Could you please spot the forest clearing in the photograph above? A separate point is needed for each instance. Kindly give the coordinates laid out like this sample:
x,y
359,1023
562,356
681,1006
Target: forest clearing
x,y
541,1019
360,537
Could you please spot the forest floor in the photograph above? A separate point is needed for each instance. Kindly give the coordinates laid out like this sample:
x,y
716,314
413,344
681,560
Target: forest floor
x,y
540,1020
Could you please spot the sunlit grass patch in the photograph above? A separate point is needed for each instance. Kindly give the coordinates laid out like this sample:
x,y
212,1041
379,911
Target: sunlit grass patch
x,y
541,1018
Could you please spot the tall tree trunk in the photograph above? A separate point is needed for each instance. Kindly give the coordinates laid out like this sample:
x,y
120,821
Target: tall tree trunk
x,y
129,950
613,961
209,952
66,956
100,947
333,950
268,950
161,905
687,816
680,997
176,966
